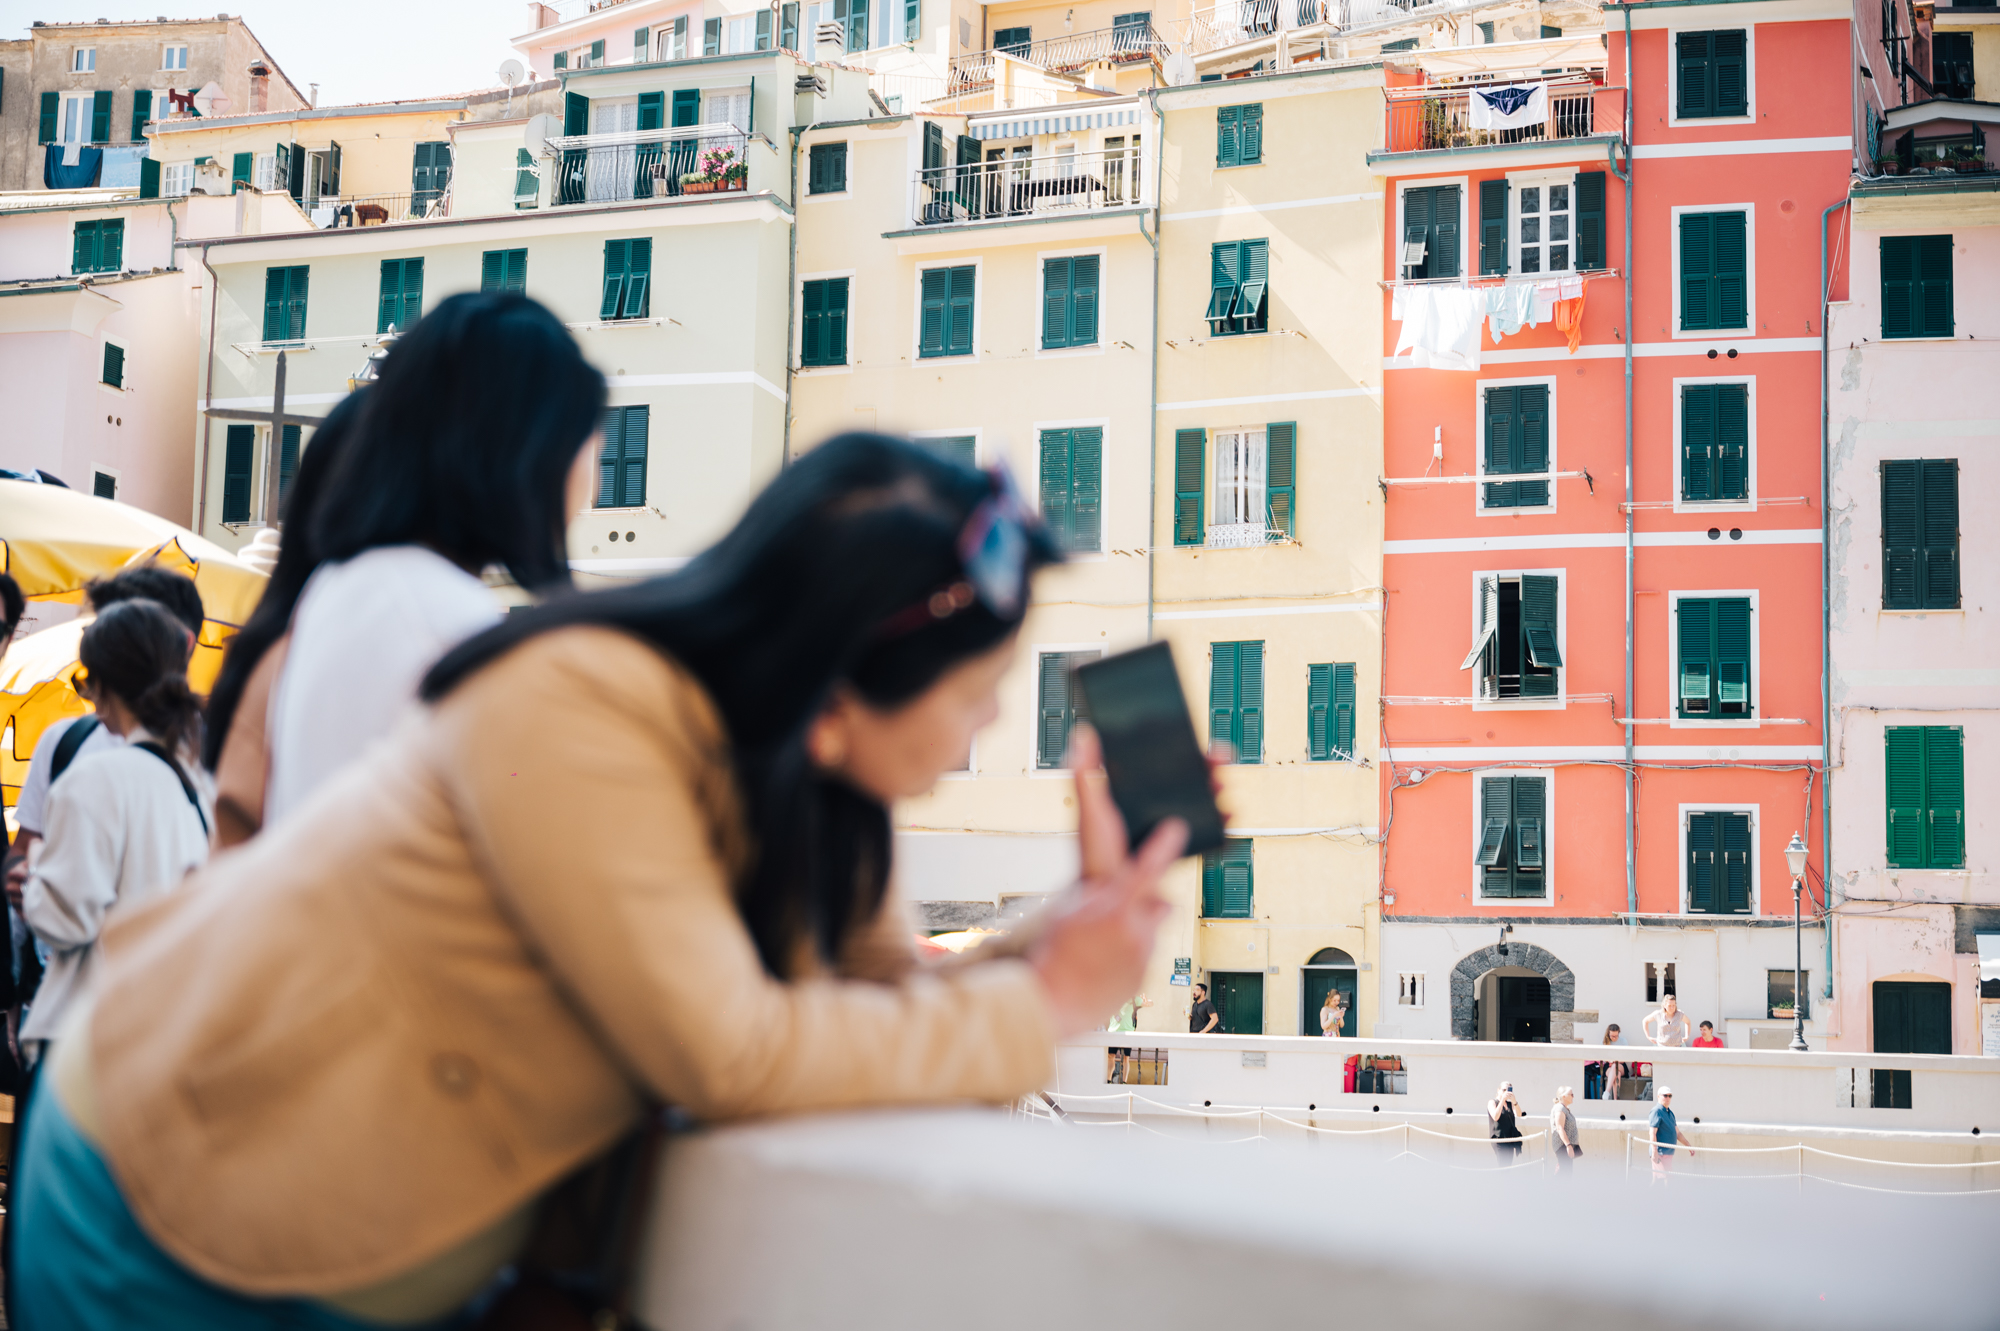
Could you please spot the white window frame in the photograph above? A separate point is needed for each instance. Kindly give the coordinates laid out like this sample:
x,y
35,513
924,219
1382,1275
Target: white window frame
x,y
1479,387
1213,499
1103,550
1749,77
739,28
1041,275
116,474
83,60
85,103
1748,504
176,180
1756,861
1518,180
800,368
1411,983
167,54
1479,897
1036,652
917,358
1661,997
1718,336
1561,700
742,90
1467,252
264,172
1673,635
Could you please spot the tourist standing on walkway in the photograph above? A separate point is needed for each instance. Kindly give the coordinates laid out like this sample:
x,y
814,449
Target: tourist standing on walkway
x,y
1667,1027
1203,1019
124,824
1707,1040
1564,1144
1503,1114
1333,1013
1663,1139
636,851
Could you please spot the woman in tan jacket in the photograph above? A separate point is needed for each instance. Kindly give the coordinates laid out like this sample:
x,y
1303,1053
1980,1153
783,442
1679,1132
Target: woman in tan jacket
x,y
637,849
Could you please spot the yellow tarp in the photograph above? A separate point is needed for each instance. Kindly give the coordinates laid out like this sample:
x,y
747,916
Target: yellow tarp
x,y
53,541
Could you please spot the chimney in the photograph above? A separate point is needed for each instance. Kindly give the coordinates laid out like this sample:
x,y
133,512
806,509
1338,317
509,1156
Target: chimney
x,y
315,93
542,16
260,87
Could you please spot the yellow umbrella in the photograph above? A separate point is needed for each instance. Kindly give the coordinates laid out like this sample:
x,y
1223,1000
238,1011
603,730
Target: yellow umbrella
x,y
53,541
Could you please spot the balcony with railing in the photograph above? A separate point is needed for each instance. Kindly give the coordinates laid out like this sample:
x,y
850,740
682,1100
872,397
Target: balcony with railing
x,y
1125,44
1435,118
1051,185
650,164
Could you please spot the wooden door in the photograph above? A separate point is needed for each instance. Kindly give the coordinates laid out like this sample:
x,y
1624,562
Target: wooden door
x,y
1912,1017
1239,998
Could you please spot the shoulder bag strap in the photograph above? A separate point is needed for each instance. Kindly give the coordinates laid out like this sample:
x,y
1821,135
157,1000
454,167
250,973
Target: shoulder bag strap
x,y
186,785
72,740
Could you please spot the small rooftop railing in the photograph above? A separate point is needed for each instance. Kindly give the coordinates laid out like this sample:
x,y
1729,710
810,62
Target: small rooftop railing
x,y
1125,44
1013,187
650,164
1435,117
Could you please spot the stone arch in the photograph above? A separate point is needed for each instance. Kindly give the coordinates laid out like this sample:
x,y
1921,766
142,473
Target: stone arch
x,y
1465,977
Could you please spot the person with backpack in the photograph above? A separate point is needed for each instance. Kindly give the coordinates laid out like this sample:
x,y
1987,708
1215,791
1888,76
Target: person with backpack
x,y
126,823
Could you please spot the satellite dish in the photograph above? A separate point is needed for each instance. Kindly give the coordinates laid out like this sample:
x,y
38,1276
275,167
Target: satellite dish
x,y
511,72
540,130
1180,69
212,100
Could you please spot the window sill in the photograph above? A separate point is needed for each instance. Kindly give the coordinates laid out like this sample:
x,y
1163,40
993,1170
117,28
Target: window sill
x,y
1725,335
1513,903
1485,512
810,371
594,325
1679,121
967,356
1247,332
1901,612
830,194
1555,704
1236,166
1713,722
1715,506
1068,353
273,348
1935,337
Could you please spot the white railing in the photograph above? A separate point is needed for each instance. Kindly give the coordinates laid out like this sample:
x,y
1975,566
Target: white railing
x,y
1237,535
1133,43
650,164
1047,185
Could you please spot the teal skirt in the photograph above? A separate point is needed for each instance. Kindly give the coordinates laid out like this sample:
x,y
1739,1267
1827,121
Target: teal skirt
x,y
84,1264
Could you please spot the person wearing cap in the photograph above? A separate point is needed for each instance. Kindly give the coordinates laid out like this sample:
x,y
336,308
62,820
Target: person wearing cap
x,y
1503,1114
1663,1136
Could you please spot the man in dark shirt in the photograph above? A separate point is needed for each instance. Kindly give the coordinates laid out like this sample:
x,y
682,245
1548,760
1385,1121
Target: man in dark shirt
x,y
1204,1019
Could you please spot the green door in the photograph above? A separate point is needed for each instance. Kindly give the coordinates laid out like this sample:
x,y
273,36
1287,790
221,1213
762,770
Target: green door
x,y
1911,1017
1314,981
1239,998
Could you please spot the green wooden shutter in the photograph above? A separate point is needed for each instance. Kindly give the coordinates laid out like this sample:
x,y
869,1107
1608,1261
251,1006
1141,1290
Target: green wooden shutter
x,y
913,20
1939,483
1899,286
835,345
1503,409
1533,448
615,264
1729,79
1496,836
295,304
1695,688
711,36
288,462
1933,286
639,278
1281,491
51,106
1692,75
1057,490
1732,441
111,256
1732,656
597,54
1416,229
788,25
1319,712
642,46
1083,300
812,324
1250,702
1225,276
1222,693
936,292
527,181
149,178
562,60
1944,795
1589,196
1903,787
1189,446
492,270
964,284
1443,259
1732,279
1697,268
1343,711
1735,884
1056,708
83,248
142,113
1902,535
100,117
274,305
576,114
1226,137
632,458
933,147
1235,863
1055,303
1530,836
1250,305
1493,226
1086,489
1698,442
242,170
1540,656
1250,135
652,110
1703,862
389,296
857,25
238,457
114,365
763,30
959,448
610,458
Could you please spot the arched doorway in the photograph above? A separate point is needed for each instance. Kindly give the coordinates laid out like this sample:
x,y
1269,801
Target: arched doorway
x,y
1507,976
1329,968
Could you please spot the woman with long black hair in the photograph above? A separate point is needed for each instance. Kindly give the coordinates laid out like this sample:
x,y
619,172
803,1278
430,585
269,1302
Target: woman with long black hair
x,y
468,451
638,850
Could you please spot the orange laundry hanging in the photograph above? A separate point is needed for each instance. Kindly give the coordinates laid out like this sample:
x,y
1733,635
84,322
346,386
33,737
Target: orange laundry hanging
x,y
1569,319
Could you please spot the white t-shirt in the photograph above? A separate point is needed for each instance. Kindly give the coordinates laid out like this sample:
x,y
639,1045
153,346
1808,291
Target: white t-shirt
x,y
32,810
364,633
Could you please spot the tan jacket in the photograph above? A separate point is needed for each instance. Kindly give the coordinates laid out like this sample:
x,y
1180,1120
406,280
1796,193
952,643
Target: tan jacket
x,y
373,1032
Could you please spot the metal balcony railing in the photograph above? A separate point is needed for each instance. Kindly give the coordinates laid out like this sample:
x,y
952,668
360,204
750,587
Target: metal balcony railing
x,y
650,164
1429,118
1076,182
1236,21
1126,44
378,209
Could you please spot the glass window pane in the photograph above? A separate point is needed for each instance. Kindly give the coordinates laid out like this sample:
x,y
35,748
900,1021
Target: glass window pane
x,y
1531,199
1531,230
1558,198
1559,227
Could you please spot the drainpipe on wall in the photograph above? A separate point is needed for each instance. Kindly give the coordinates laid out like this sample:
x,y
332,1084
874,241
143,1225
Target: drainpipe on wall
x,y
791,301
1631,593
207,399
1153,400
1826,595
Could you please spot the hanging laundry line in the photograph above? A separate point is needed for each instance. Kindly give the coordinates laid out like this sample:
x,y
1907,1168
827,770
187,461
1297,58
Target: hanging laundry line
x,y
1441,322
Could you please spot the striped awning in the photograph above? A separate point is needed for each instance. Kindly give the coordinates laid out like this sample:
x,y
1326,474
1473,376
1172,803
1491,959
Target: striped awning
x,y
1055,123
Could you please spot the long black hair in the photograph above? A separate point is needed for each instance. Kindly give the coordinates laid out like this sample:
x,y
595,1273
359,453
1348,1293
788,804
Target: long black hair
x,y
138,650
298,558
794,601
466,440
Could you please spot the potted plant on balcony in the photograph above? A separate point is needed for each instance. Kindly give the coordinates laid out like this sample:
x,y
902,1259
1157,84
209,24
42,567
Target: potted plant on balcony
x,y
721,169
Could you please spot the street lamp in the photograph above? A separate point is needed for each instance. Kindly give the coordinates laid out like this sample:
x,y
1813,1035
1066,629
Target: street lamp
x,y
1795,860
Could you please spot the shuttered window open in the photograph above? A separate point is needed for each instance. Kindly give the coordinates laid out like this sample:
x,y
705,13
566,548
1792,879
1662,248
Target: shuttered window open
x,y
1330,712
100,117
285,304
1236,698
1239,286
946,318
621,463
1714,271
1493,227
1541,658
1228,886
1917,287
1430,241
628,270
1590,250
503,270
1239,135
1712,658
1512,855
1924,779
1711,74
1920,568
823,322
1718,863
401,300
114,365
1059,705
1715,443
1517,443
238,458
1069,301
1189,446
1072,487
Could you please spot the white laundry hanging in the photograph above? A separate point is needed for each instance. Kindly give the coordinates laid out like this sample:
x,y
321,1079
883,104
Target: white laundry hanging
x,y
1441,326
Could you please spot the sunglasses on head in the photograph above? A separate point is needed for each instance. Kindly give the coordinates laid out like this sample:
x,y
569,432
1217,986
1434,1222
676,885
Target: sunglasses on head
x,y
993,550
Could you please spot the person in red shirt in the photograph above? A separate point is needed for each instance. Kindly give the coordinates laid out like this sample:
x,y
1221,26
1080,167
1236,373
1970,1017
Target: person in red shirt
x,y
1707,1039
